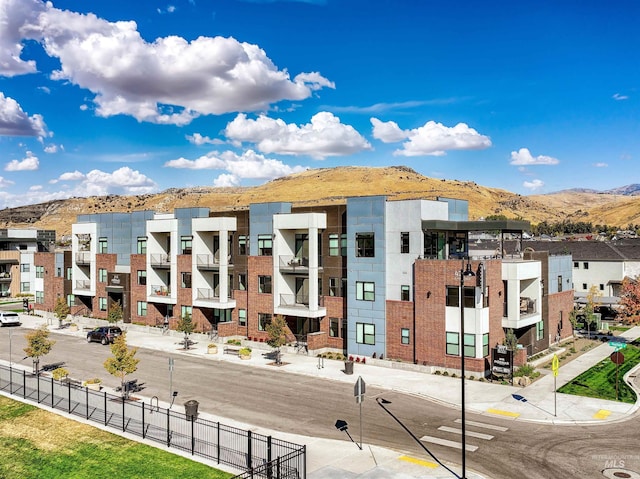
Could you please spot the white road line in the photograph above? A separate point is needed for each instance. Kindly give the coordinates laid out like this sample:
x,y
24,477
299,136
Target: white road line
x,y
445,442
479,435
484,425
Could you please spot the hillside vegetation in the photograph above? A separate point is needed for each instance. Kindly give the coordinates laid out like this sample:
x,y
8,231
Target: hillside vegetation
x,y
334,185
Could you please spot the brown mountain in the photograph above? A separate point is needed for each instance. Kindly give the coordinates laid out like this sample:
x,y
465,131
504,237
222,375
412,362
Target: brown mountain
x,y
334,185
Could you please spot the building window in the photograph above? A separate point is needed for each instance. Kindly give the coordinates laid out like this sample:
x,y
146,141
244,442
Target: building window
x,y
453,296
469,297
485,345
334,327
58,272
334,244
584,286
24,268
102,304
242,281
71,300
242,317
365,333
601,286
69,273
365,291
404,336
365,245
242,245
264,284
25,287
186,311
102,275
142,308
343,244
404,292
39,271
185,244
559,284
576,265
453,344
539,330
39,297
335,287
404,242
142,245
186,280
265,245
102,245
264,319
469,345
142,277
585,265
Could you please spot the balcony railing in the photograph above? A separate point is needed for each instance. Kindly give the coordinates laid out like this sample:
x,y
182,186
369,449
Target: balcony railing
x,y
207,294
83,258
295,264
527,306
5,277
210,261
160,290
297,300
84,284
160,260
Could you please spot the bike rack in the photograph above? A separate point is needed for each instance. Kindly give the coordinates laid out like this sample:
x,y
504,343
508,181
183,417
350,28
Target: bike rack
x,y
151,404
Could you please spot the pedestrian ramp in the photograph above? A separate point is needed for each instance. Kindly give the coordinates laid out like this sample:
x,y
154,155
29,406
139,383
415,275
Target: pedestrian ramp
x,y
446,440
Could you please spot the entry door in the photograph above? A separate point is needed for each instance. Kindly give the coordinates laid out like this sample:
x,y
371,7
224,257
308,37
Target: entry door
x,y
302,291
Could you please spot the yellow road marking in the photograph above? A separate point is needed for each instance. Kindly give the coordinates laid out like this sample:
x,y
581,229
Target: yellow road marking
x,y
602,414
419,462
503,413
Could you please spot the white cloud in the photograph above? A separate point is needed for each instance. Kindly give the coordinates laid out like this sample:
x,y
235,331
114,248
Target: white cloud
x,y
533,185
620,97
4,182
15,122
250,165
431,139
198,139
524,157
601,165
324,136
204,76
30,163
123,181
52,148
71,176
35,188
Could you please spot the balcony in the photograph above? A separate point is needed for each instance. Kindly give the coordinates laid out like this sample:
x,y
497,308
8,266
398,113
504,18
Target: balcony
x,y
160,260
160,291
83,258
83,284
295,264
299,305
210,261
5,277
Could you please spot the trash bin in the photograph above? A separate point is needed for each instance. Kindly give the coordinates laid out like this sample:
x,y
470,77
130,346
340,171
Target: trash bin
x,y
191,409
348,367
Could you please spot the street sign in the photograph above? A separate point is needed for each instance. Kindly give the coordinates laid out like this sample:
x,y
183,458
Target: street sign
x,y
618,345
617,358
555,365
359,390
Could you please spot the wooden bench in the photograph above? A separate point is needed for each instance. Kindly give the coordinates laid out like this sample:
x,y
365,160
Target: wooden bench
x,y
231,350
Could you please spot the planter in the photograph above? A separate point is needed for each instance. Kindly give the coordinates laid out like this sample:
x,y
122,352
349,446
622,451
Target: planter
x,y
244,356
212,349
94,386
73,327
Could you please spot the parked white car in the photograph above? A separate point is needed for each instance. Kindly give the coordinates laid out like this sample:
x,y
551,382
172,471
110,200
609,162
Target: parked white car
x,y
9,319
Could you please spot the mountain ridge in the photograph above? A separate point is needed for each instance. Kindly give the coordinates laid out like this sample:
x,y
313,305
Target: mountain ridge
x,y
333,185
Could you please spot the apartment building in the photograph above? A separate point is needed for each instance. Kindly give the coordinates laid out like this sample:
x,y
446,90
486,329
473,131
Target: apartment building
x,y
369,277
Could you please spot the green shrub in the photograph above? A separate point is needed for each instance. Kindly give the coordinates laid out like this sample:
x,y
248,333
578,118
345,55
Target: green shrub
x,y
438,373
524,370
446,373
244,351
59,373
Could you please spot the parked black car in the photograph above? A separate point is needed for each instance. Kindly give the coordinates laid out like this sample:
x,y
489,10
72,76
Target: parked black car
x,y
104,334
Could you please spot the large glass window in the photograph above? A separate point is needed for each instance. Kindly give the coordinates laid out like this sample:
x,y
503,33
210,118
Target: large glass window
x,y
102,304
39,271
404,292
404,242
242,281
334,244
485,345
404,336
102,245
142,277
540,330
335,287
365,245
142,245
365,291
453,296
453,344
469,297
185,244
265,245
334,327
560,284
264,284
469,345
25,287
186,311
365,333
24,268
242,245
40,297
186,280
142,308
242,317
102,275
264,319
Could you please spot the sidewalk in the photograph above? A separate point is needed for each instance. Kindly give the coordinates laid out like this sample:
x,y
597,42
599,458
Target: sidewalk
x,y
328,459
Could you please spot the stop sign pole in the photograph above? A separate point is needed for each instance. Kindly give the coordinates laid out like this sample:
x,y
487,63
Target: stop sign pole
x,y
617,358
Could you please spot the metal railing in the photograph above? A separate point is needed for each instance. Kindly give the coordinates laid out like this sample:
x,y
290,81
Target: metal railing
x,y
83,258
83,284
160,290
211,440
160,260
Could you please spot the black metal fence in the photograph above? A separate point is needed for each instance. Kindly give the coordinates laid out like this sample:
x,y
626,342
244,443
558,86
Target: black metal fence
x,y
258,455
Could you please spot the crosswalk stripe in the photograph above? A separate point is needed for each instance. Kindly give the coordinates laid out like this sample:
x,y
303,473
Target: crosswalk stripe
x,y
445,442
479,435
484,425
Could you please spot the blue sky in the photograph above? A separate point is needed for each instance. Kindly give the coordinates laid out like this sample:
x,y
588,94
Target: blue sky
x,y
125,97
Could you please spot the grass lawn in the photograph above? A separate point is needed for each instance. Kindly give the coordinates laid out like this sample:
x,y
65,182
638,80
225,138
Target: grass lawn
x,y
37,444
600,381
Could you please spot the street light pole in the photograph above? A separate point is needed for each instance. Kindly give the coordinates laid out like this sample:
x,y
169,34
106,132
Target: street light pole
x,y
463,273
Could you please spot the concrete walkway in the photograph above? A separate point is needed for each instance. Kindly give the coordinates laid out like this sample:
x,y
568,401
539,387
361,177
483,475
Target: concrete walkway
x,y
329,459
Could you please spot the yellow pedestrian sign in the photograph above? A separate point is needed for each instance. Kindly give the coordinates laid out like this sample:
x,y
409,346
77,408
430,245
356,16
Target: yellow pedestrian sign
x,y
554,365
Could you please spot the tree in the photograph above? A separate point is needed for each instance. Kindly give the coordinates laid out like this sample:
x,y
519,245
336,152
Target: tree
x,y
593,300
630,298
277,334
115,313
61,310
185,324
511,340
123,362
38,345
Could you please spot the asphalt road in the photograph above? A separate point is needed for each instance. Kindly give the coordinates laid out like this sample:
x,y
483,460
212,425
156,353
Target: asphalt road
x,y
310,406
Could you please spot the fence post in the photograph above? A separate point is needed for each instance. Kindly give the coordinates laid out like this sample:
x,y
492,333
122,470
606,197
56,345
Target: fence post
x,y
249,460
193,439
304,460
52,392
143,431
10,380
168,429
269,467
24,384
38,386
124,427
105,408
69,397
218,443
86,401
